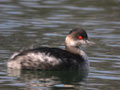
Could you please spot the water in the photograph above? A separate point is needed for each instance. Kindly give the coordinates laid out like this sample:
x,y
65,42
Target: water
x,y
32,23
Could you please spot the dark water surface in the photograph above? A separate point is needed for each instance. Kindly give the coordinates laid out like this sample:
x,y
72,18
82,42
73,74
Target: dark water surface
x,y
32,23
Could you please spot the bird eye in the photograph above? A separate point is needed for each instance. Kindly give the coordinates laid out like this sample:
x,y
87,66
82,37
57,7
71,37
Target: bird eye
x,y
80,37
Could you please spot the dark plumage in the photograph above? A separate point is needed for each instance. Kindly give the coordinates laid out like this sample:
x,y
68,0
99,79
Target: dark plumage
x,y
45,58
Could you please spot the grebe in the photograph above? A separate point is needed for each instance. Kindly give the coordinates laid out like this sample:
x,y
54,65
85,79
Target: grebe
x,y
45,58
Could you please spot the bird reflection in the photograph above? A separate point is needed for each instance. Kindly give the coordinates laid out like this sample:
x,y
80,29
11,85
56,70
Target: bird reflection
x,y
50,80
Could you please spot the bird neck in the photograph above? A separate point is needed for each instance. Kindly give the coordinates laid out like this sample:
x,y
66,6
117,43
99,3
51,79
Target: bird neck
x,y
71,46
72,49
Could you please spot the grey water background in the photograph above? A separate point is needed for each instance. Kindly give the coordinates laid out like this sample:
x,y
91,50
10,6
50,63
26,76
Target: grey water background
x,y
32,23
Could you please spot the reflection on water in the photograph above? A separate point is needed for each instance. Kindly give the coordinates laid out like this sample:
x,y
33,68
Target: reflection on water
x,y
49,79
32,23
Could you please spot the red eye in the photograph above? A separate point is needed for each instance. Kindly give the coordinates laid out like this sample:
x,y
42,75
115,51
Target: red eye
x,y
80,37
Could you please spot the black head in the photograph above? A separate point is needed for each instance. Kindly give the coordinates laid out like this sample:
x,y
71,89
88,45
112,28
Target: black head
x,y
79,33
77,37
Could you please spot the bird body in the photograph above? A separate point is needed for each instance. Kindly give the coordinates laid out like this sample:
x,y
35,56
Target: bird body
x,y
46,58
